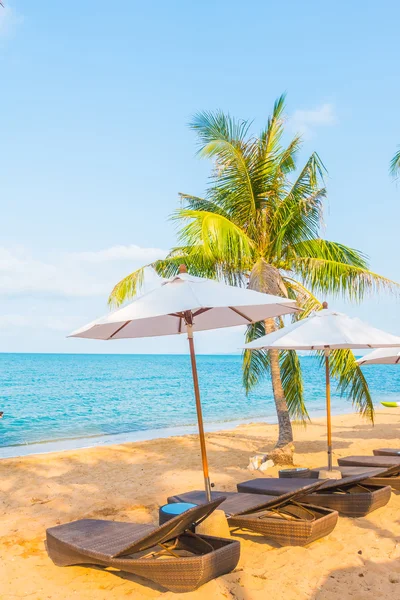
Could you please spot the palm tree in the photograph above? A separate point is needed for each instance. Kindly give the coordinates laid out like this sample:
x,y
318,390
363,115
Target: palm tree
x,y
395,164
258,227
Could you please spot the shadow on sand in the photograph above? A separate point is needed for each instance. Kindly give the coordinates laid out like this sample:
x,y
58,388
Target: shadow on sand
x,y
368,581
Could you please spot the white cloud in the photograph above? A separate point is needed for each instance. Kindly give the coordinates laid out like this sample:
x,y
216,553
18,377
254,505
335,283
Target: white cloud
x,y
306,121
72,273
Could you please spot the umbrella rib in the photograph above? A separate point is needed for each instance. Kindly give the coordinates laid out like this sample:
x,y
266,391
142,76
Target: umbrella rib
x,y
200,311
119,329
235,310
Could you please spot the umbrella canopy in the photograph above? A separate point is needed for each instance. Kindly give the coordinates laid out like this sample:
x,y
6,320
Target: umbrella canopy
x,y
162,310
186,304
382,356
326,330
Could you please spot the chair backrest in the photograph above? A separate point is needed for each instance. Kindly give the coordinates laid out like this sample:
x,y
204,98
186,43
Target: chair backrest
x,y
291,496
391,463
172,528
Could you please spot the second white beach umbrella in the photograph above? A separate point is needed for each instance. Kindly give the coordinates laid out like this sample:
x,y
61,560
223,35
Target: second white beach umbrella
x,y
185,304
382,356
326,330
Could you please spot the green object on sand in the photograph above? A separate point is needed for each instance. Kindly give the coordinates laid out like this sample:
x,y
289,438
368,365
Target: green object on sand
x,y
391,404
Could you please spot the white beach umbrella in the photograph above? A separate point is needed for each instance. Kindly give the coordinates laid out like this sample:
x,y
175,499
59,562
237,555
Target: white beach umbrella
x,y
382,356
184,304
326,330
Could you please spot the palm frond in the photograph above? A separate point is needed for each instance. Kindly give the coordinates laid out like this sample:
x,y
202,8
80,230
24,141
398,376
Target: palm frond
x,y
224,138
128,287
272,179
326,250
243,164
214,129
215,203
351,381
298,215
287,163
337,278
196,203
271,136
395,164
309,178
199,263
255,364
304,298
296,219
131,285
292,383
219,236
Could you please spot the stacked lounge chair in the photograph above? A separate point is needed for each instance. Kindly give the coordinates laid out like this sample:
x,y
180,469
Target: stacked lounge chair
x,y
375,476
370,475
387,452
170,555
352,496
280,518
389,464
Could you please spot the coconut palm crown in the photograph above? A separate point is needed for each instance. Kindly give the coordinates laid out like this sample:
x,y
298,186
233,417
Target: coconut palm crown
x,y
259,226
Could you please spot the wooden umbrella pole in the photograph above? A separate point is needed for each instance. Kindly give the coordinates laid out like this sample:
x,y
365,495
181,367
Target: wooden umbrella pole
x,y
328,408
199,412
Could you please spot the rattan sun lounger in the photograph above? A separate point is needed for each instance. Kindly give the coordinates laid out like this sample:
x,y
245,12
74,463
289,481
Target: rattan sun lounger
x,y
374,476
282,520
351,497
387,452
170,555
387,462
390,464
367,472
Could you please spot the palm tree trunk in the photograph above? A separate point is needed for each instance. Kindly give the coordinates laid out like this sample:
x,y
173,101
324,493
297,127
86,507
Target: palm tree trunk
x,y
283,451
266,278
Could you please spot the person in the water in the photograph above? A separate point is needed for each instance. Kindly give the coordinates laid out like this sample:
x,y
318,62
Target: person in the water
x,y
1,414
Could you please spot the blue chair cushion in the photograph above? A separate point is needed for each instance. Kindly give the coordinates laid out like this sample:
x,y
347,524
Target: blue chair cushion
x,y
177,508
169,511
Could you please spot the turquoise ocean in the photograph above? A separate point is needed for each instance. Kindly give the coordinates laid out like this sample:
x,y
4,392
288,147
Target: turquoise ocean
x,y
80,400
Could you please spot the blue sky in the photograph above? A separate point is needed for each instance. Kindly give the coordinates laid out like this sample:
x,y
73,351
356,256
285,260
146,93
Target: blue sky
x,y
96,97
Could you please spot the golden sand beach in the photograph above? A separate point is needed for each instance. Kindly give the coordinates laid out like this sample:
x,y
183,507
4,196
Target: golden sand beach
x,y
360,560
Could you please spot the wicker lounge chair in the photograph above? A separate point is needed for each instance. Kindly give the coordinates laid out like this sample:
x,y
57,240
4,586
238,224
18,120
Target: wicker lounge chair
x,y
387,452
371,475
386,462
281,519
170,555
351,497
390,464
